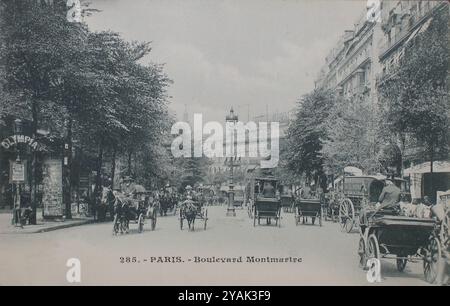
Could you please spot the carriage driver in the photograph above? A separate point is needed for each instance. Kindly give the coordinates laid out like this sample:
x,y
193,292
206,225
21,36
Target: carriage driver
x,y
129,186
189,192
389,197
268,190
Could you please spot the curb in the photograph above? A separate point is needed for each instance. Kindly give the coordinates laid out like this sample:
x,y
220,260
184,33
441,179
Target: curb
x,y
62,226
49,229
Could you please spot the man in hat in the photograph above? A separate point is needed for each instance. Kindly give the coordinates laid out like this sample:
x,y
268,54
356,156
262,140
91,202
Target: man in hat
x,y
188,192
128,186
389,197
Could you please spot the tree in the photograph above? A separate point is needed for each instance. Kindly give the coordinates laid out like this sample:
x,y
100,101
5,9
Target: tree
x,y
352,136
414,97
86,87
37,38
306,134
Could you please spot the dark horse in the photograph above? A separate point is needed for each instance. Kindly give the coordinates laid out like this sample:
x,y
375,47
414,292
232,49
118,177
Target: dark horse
x,y
107,200
121,214
188,211
164,202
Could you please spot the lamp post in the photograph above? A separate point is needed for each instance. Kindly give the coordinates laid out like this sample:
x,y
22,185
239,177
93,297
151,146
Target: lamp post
x,y
232,119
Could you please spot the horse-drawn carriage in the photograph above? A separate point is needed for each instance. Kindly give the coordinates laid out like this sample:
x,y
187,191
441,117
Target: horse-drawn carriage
x,y
308,208
387,235
263,201
135,208
191,210
356,192
168,202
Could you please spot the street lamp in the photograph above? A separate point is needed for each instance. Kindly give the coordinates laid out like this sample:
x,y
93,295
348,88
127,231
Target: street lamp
x,y
233,119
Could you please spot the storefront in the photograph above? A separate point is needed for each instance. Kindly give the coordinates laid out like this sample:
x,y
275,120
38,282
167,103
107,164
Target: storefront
x,y
426,183
31,170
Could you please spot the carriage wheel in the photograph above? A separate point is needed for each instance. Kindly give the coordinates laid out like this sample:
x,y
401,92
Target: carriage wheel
x,y
362,253
254,219
401,264
346,215
320,219
432,260
116,225
141,223
155,217
205,217
373,250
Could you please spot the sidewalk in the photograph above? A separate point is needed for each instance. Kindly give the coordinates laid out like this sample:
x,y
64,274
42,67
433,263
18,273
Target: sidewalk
x,y
42,225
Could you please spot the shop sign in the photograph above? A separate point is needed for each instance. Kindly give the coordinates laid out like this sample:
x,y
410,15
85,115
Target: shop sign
x,y
17,139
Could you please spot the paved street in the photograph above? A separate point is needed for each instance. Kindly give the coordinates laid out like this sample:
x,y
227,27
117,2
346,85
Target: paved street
x,y
328,256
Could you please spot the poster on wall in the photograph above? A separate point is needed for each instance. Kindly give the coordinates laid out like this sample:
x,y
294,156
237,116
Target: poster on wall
x,y
18,171
52,198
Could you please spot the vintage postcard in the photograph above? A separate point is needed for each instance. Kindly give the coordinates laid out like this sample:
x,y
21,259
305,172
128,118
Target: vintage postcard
x,y
224,143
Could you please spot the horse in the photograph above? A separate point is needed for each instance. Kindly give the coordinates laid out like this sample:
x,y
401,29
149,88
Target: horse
x,y
107,200
121,214
188,211
164,204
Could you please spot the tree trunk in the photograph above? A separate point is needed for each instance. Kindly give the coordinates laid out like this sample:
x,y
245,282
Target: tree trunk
x,y
34,125
113,166
98,179
431,172
68,170
402,150
130,154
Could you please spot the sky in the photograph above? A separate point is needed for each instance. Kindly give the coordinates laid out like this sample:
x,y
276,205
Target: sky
x,y
252,55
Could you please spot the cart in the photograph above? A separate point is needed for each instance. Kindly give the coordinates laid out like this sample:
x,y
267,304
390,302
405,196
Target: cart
x,y
134,209
262,199
402,239
190,211
305,208
267,208
356,192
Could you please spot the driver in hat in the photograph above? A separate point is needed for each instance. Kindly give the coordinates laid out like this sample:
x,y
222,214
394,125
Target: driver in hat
x,y
128,186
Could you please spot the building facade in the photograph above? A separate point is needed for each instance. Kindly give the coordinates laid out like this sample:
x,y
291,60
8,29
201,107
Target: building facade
x,y
374,47
351,66
400,22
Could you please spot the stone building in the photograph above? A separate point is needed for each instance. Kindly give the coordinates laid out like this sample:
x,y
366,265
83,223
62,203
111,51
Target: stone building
x,y
351,66
401,21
